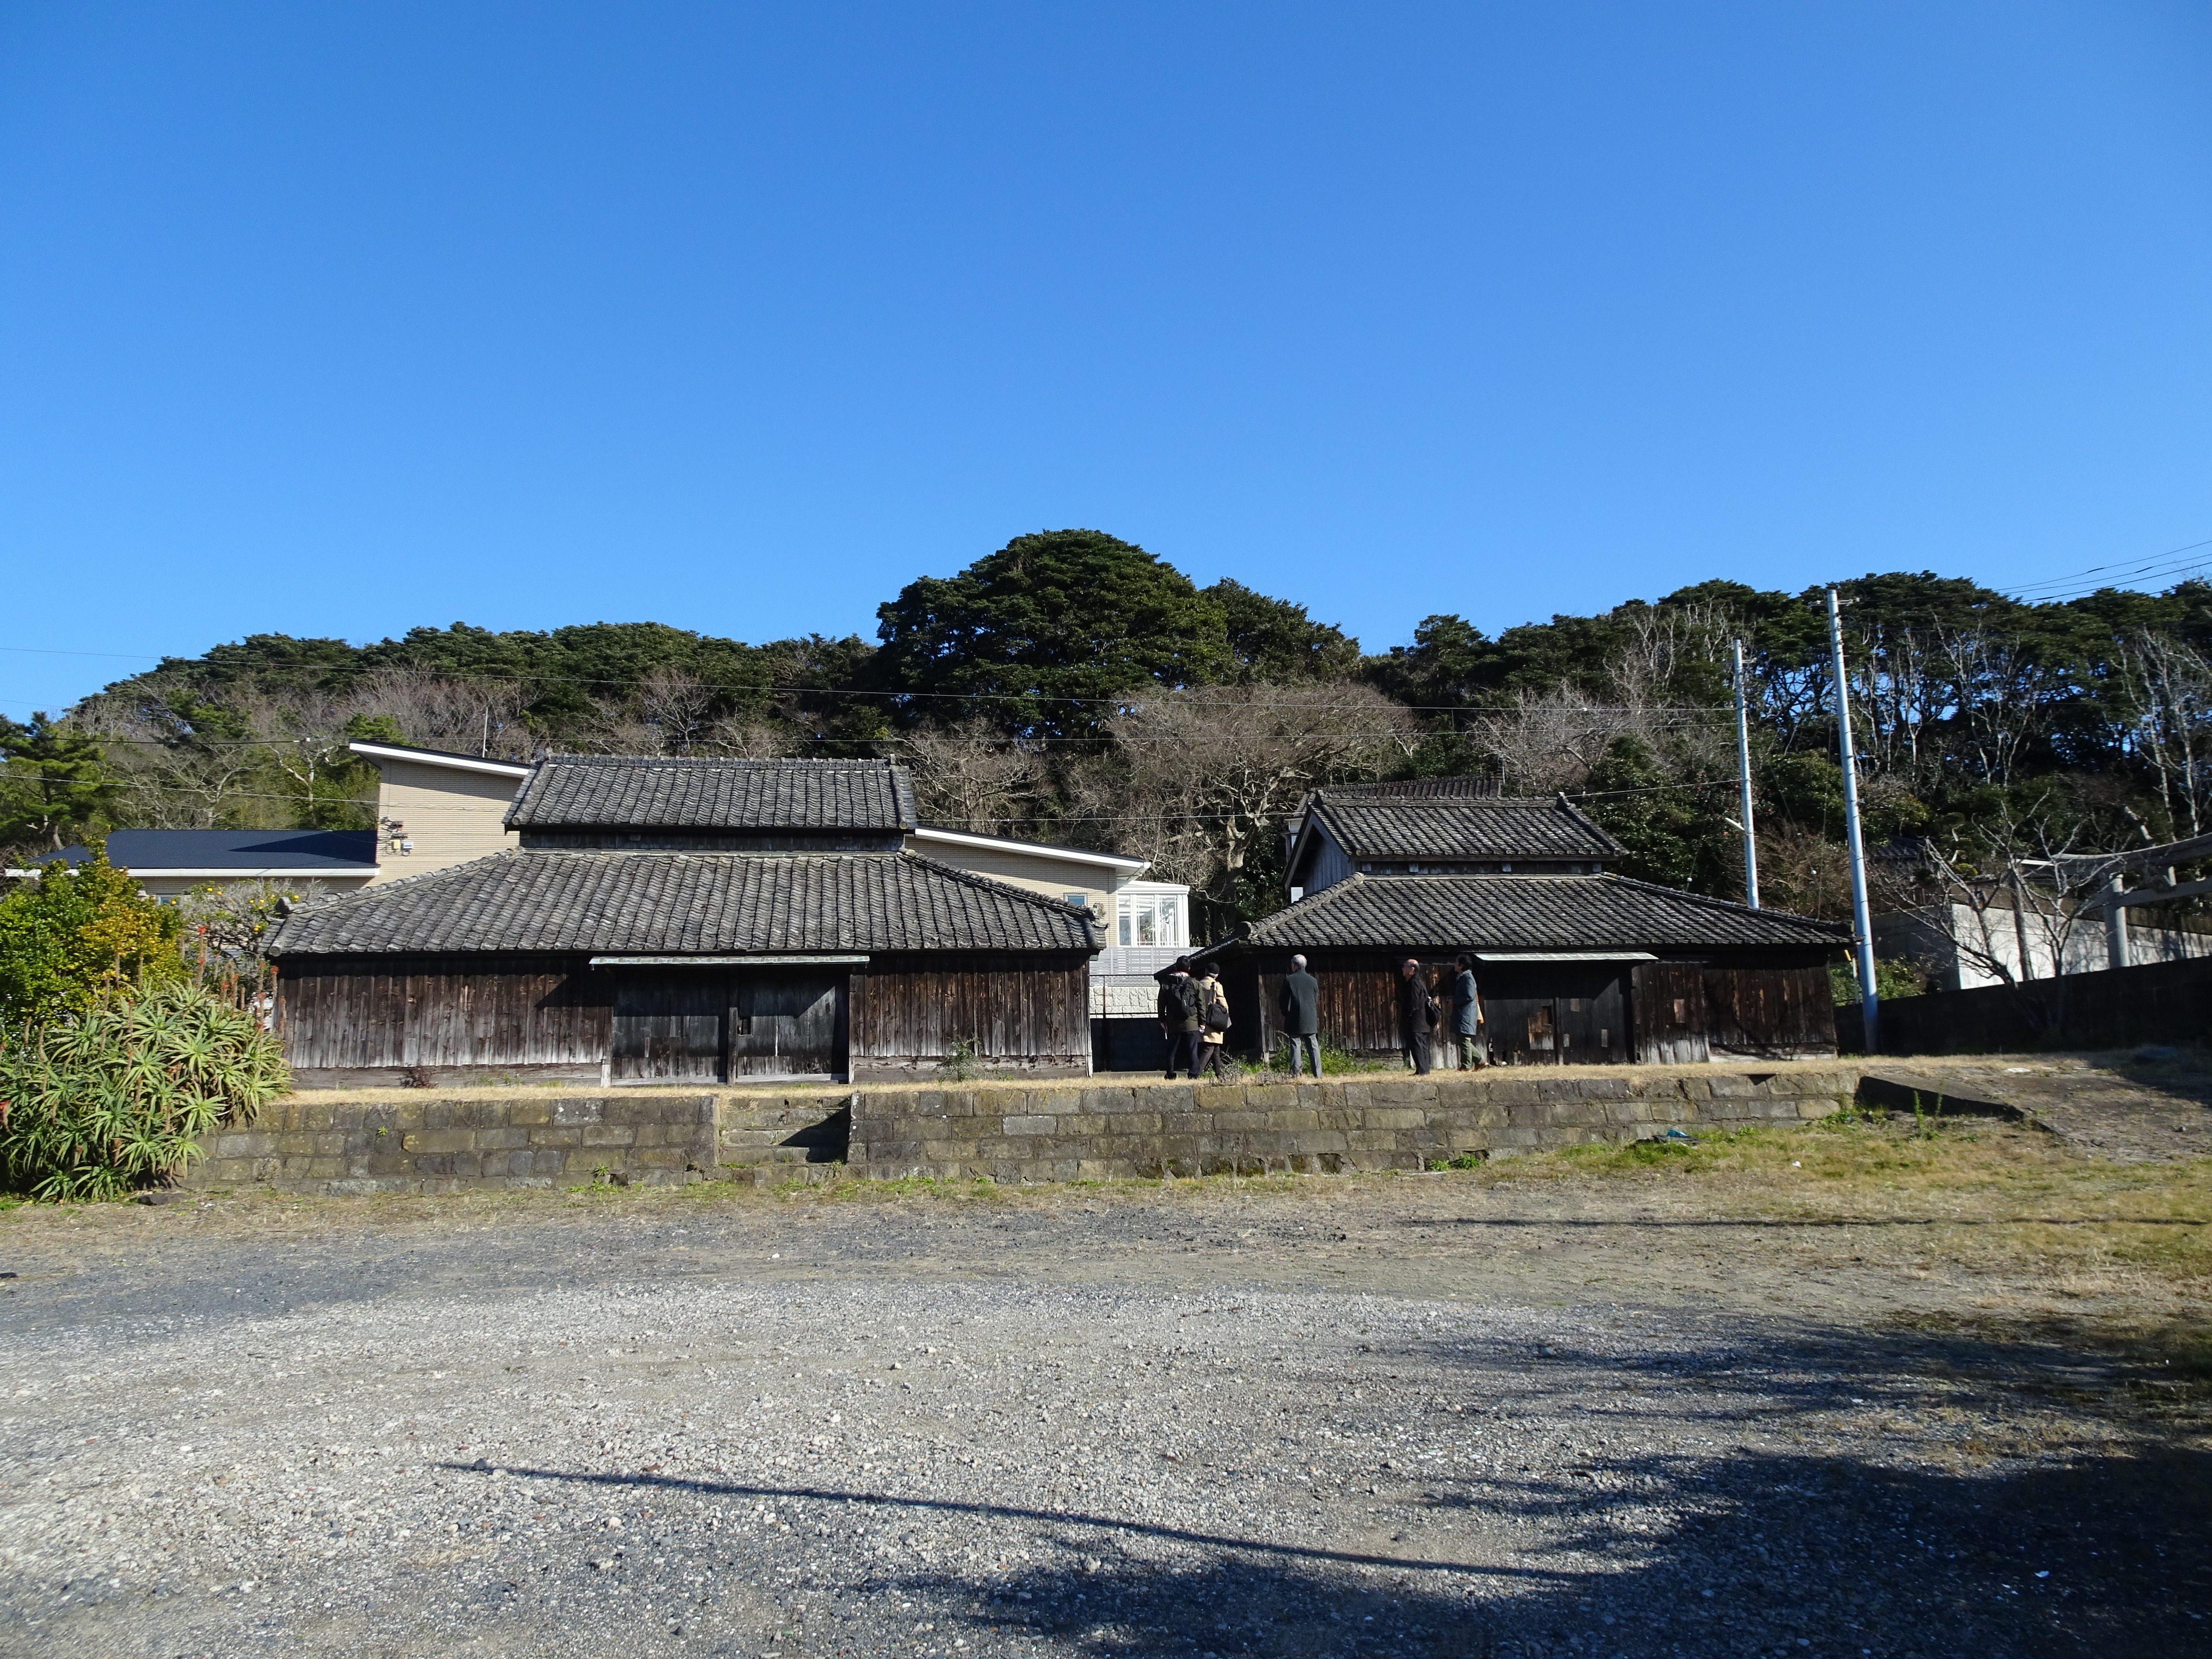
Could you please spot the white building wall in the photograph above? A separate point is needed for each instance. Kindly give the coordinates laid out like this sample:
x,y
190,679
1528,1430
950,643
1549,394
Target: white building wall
x,y
1963,949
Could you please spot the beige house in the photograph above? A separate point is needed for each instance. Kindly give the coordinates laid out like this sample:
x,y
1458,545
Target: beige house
x,y
435,810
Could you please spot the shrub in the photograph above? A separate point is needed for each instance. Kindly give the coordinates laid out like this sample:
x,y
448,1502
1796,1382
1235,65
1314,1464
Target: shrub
x,y
116,1095
71,936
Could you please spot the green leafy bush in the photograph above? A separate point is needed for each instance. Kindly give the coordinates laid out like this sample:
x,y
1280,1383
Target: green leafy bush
x,y
70,937
115,1095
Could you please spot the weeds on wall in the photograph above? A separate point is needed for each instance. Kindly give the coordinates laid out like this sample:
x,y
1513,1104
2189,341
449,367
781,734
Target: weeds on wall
x,y
115,1096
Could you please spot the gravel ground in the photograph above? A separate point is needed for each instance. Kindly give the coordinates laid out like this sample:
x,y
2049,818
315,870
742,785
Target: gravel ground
x,y
1396,1418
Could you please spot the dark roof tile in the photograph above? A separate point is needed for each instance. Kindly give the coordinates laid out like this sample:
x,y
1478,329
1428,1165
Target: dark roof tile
x,y
1534,912
683,903
1506,828
644,791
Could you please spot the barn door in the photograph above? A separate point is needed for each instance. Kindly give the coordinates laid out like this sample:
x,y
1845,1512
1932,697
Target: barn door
x,y
786,1023
667,1027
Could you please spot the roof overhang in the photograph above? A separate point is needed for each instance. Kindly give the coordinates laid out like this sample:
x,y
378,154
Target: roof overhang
x,y
1000,843
1563,956
727,961
393,751
325,871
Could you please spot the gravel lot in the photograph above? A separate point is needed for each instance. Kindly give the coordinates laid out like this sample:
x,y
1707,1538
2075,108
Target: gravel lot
x,y
1405,1417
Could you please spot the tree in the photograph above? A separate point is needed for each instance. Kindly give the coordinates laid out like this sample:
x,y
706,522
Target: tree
x,y
970,777
54,784
1212,772
68,935
1048,634
1275,640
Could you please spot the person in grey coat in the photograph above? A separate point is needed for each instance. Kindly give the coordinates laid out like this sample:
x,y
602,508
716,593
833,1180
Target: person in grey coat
x,y
1467,1017
1302,1017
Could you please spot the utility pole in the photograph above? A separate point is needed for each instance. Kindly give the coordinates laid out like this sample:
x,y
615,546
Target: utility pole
x,y
1743,780
1861,922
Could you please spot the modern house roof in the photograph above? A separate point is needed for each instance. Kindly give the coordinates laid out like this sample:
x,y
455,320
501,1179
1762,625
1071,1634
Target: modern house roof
x,y
930,834
1527,913
1368,825
234,853
687,904
637,792
444,759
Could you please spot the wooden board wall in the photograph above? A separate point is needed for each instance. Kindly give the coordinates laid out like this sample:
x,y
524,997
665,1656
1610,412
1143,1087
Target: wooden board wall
x,y
1018,1011
369,1013
392,1011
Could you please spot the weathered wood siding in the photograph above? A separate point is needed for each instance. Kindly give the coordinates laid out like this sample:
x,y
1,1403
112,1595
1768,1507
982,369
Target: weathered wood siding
x,y
1668,1001
898,1016
389,1012
1684,1011
1027,1014
1771,1011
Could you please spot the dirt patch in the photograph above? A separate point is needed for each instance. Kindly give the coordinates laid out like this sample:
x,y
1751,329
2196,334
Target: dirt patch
x,y
2143,1106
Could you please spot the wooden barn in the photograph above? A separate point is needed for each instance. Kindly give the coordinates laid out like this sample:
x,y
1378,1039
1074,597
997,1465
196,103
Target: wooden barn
x,y
1575,964
689,921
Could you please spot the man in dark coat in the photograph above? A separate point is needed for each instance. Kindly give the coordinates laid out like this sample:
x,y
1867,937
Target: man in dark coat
x,y
1417,1013
1302,1017
1182,1019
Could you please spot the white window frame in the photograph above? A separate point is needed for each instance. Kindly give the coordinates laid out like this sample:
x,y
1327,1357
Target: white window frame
x,y
1164,899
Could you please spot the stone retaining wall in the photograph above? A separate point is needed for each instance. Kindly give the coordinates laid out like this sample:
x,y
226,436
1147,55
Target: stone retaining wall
x,y
1104,1134
304,1144
1008,1132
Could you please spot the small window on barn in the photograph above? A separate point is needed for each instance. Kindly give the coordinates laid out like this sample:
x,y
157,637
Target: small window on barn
x,y
1077,898
1681,1011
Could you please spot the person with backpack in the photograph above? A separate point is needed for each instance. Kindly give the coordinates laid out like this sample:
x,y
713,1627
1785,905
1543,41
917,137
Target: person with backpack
x,y
1213,1019
1182,1019
1467,1017
1417,1015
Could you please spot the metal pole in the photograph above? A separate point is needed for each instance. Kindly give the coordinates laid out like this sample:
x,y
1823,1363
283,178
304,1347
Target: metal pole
x,y
1743,780
1861,922
2116,924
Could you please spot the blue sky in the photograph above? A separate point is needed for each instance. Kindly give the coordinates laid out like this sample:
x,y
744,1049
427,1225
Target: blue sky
x,y
338,318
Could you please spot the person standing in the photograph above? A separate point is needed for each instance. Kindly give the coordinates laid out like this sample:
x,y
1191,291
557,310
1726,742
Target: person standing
x,y
1213,1019
1467,1017
1301,1006
1180,1019
1417,1015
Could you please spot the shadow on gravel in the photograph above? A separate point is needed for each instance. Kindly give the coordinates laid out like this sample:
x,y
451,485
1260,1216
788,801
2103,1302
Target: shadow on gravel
x,y
1766,1554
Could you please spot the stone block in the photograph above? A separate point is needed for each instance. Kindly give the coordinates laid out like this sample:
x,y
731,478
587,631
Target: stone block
x,y
529,1112
1039,1124
579,1112
504,1138
439,1141
557,1136
608,1134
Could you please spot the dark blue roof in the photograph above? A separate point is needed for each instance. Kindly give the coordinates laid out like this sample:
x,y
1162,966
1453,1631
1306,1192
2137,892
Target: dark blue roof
x,y
338,851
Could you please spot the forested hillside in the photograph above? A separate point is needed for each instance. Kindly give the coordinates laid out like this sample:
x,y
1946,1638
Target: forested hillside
x,y
1072,688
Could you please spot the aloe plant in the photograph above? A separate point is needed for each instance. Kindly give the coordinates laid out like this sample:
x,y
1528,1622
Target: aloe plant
x,y
118,1095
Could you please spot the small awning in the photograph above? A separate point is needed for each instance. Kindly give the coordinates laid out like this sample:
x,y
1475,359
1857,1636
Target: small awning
x,y
722,961
1565,956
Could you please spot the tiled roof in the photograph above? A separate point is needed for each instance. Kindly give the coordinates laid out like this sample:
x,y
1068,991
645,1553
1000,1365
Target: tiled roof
x,y
1482,788
1508,827
647,792
686,903
1532,912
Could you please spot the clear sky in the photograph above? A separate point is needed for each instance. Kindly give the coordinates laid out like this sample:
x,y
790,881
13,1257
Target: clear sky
x,y
336,319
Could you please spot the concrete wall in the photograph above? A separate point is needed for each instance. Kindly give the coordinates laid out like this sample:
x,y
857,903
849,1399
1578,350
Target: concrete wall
x,y
1007,1133
1103,1134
